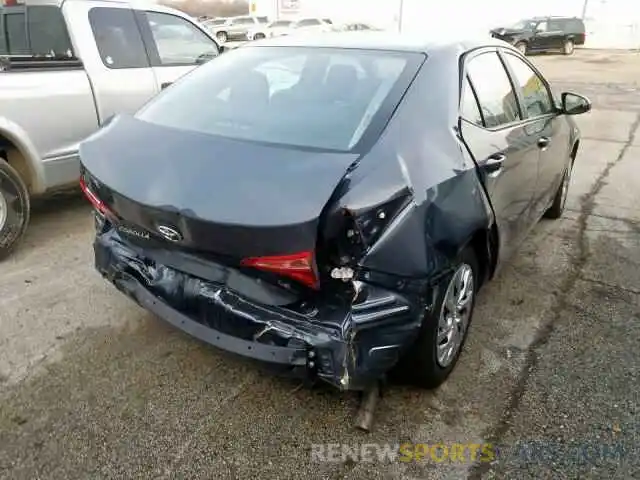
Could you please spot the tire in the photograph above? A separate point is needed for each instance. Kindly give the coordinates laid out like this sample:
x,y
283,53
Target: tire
x,y
568,47
522,47
424,365
222,37
556,209
14,209
259,36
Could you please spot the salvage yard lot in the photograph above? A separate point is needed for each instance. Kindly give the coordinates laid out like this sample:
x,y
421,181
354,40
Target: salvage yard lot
x,y
91,386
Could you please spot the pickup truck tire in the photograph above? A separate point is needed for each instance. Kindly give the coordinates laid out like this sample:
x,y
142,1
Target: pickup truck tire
x,y
14,208
222,37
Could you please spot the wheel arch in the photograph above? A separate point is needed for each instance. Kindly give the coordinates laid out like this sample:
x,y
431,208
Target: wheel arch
x,y
18,151
574,150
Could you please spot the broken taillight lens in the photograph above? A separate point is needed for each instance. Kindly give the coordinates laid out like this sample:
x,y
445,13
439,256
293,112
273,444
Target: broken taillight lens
x,y
298,266
370,224
95,201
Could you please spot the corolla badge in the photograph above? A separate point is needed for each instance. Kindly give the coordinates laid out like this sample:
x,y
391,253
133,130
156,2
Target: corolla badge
x,y
169,233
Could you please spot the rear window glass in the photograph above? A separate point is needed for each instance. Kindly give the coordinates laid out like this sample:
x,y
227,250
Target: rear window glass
x,y
34,30
309,97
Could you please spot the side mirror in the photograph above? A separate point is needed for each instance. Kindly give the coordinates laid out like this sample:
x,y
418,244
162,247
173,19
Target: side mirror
x,y
221,49
574,104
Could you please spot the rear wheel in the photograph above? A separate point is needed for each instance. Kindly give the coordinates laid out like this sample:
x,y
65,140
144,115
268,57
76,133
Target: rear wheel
x,y
557,207
522,47
444,328
221,36
14,208
568,47
259,36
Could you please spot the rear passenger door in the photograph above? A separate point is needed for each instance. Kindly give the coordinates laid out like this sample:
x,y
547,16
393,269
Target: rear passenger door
x,y
175,45
556,33
502,146
119,72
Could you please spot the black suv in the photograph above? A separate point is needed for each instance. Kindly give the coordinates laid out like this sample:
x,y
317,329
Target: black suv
x,y
543,34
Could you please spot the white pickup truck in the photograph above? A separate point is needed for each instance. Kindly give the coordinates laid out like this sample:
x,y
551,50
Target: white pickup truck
x,y
67,66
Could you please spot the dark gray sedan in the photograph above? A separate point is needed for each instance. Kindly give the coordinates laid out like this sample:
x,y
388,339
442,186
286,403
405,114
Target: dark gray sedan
x,y
331,204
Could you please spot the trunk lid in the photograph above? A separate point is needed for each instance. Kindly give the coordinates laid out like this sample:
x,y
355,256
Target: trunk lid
x,y
232,198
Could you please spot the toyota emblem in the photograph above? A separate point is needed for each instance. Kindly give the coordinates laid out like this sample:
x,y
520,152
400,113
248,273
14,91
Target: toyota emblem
x,y
169,233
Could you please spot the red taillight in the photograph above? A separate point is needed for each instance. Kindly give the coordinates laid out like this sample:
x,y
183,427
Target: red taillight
x,y
298,266
93,199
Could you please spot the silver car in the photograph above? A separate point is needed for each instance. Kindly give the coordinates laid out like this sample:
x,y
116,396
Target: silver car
x,y
236,28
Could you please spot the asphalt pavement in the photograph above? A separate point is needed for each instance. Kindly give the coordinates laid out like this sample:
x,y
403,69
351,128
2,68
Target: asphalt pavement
x,y
92,386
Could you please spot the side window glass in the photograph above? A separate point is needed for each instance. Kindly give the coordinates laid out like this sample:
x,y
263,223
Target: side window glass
x,y
178,41
118,38
469,108
555,25
542,27
537,100
496,96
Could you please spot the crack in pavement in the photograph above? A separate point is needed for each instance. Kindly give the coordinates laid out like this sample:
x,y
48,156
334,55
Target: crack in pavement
x,y
577,262
612,286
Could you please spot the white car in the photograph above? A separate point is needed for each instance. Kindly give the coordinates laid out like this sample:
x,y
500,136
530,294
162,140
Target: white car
x,y
270,30
314,24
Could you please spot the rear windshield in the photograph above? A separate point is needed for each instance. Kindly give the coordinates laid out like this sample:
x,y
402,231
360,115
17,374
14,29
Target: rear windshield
x,y
322,98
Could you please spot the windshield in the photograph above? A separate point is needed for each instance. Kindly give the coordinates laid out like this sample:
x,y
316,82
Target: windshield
x,y
307,97
523,25
280,23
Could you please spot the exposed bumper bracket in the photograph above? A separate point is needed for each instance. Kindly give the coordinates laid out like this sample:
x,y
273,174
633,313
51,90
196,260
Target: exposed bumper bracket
x,y
255,350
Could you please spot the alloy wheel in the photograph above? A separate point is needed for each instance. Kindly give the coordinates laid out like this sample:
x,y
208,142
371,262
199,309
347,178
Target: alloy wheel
x,y
455,315
4,210
568,47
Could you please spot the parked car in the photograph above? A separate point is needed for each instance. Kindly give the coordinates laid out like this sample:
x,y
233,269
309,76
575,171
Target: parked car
x,y
237,28
342,234
215,22
269,30
544,34
358,26
66,70
309,25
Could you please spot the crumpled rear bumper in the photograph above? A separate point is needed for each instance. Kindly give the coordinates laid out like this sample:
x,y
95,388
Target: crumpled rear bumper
x,y
347,344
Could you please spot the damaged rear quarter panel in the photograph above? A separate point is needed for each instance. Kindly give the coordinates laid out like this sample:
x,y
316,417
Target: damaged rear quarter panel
x,y
420,149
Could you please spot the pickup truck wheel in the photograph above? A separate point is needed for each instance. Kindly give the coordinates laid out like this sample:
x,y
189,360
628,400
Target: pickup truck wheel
x,y
568,47
222,37
444,328
522,47
258,36
14,208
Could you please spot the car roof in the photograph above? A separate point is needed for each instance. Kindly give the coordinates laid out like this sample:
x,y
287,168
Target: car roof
x,y
375,40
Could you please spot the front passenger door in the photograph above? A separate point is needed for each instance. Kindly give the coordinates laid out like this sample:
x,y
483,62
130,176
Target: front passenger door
x,y
175,45
551,132
505,153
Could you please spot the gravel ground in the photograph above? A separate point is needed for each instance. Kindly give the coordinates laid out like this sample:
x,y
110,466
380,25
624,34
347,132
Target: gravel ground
x,y
91,386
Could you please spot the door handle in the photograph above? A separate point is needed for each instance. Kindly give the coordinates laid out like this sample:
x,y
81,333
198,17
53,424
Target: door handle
x,y
543,142
165,85
492,166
